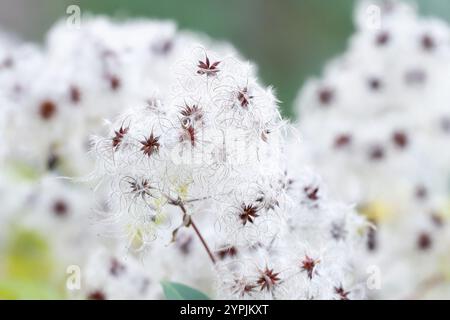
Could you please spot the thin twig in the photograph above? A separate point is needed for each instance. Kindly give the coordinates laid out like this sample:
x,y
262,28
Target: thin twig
x,y
190,222
211,256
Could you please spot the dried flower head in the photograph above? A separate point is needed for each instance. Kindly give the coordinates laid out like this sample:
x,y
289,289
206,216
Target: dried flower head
x,y
119,135
204,67
150,145
268,279
308,265
244,97
47,109
342,294
248,212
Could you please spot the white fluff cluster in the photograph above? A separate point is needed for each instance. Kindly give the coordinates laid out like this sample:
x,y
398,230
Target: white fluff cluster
x,y
377,125
194,165
53,98
311,256
59,94
209,154
214,136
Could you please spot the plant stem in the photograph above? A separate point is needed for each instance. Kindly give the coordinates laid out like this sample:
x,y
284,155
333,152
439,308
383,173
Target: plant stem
x,y
211,256
190,222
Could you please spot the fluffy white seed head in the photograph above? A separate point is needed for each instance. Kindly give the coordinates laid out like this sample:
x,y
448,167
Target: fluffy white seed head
x,y
375,124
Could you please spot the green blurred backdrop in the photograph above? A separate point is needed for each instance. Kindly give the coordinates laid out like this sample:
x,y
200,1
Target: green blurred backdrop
x,y
289,39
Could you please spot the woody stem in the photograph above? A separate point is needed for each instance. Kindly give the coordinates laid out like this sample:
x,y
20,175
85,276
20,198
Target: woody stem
x,y
180,204
205,245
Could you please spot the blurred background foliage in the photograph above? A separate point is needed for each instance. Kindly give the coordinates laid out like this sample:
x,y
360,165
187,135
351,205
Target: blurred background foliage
x,y
288,39
27,268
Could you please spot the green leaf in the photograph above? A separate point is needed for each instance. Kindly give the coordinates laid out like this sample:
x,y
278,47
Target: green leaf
x,y
178,291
